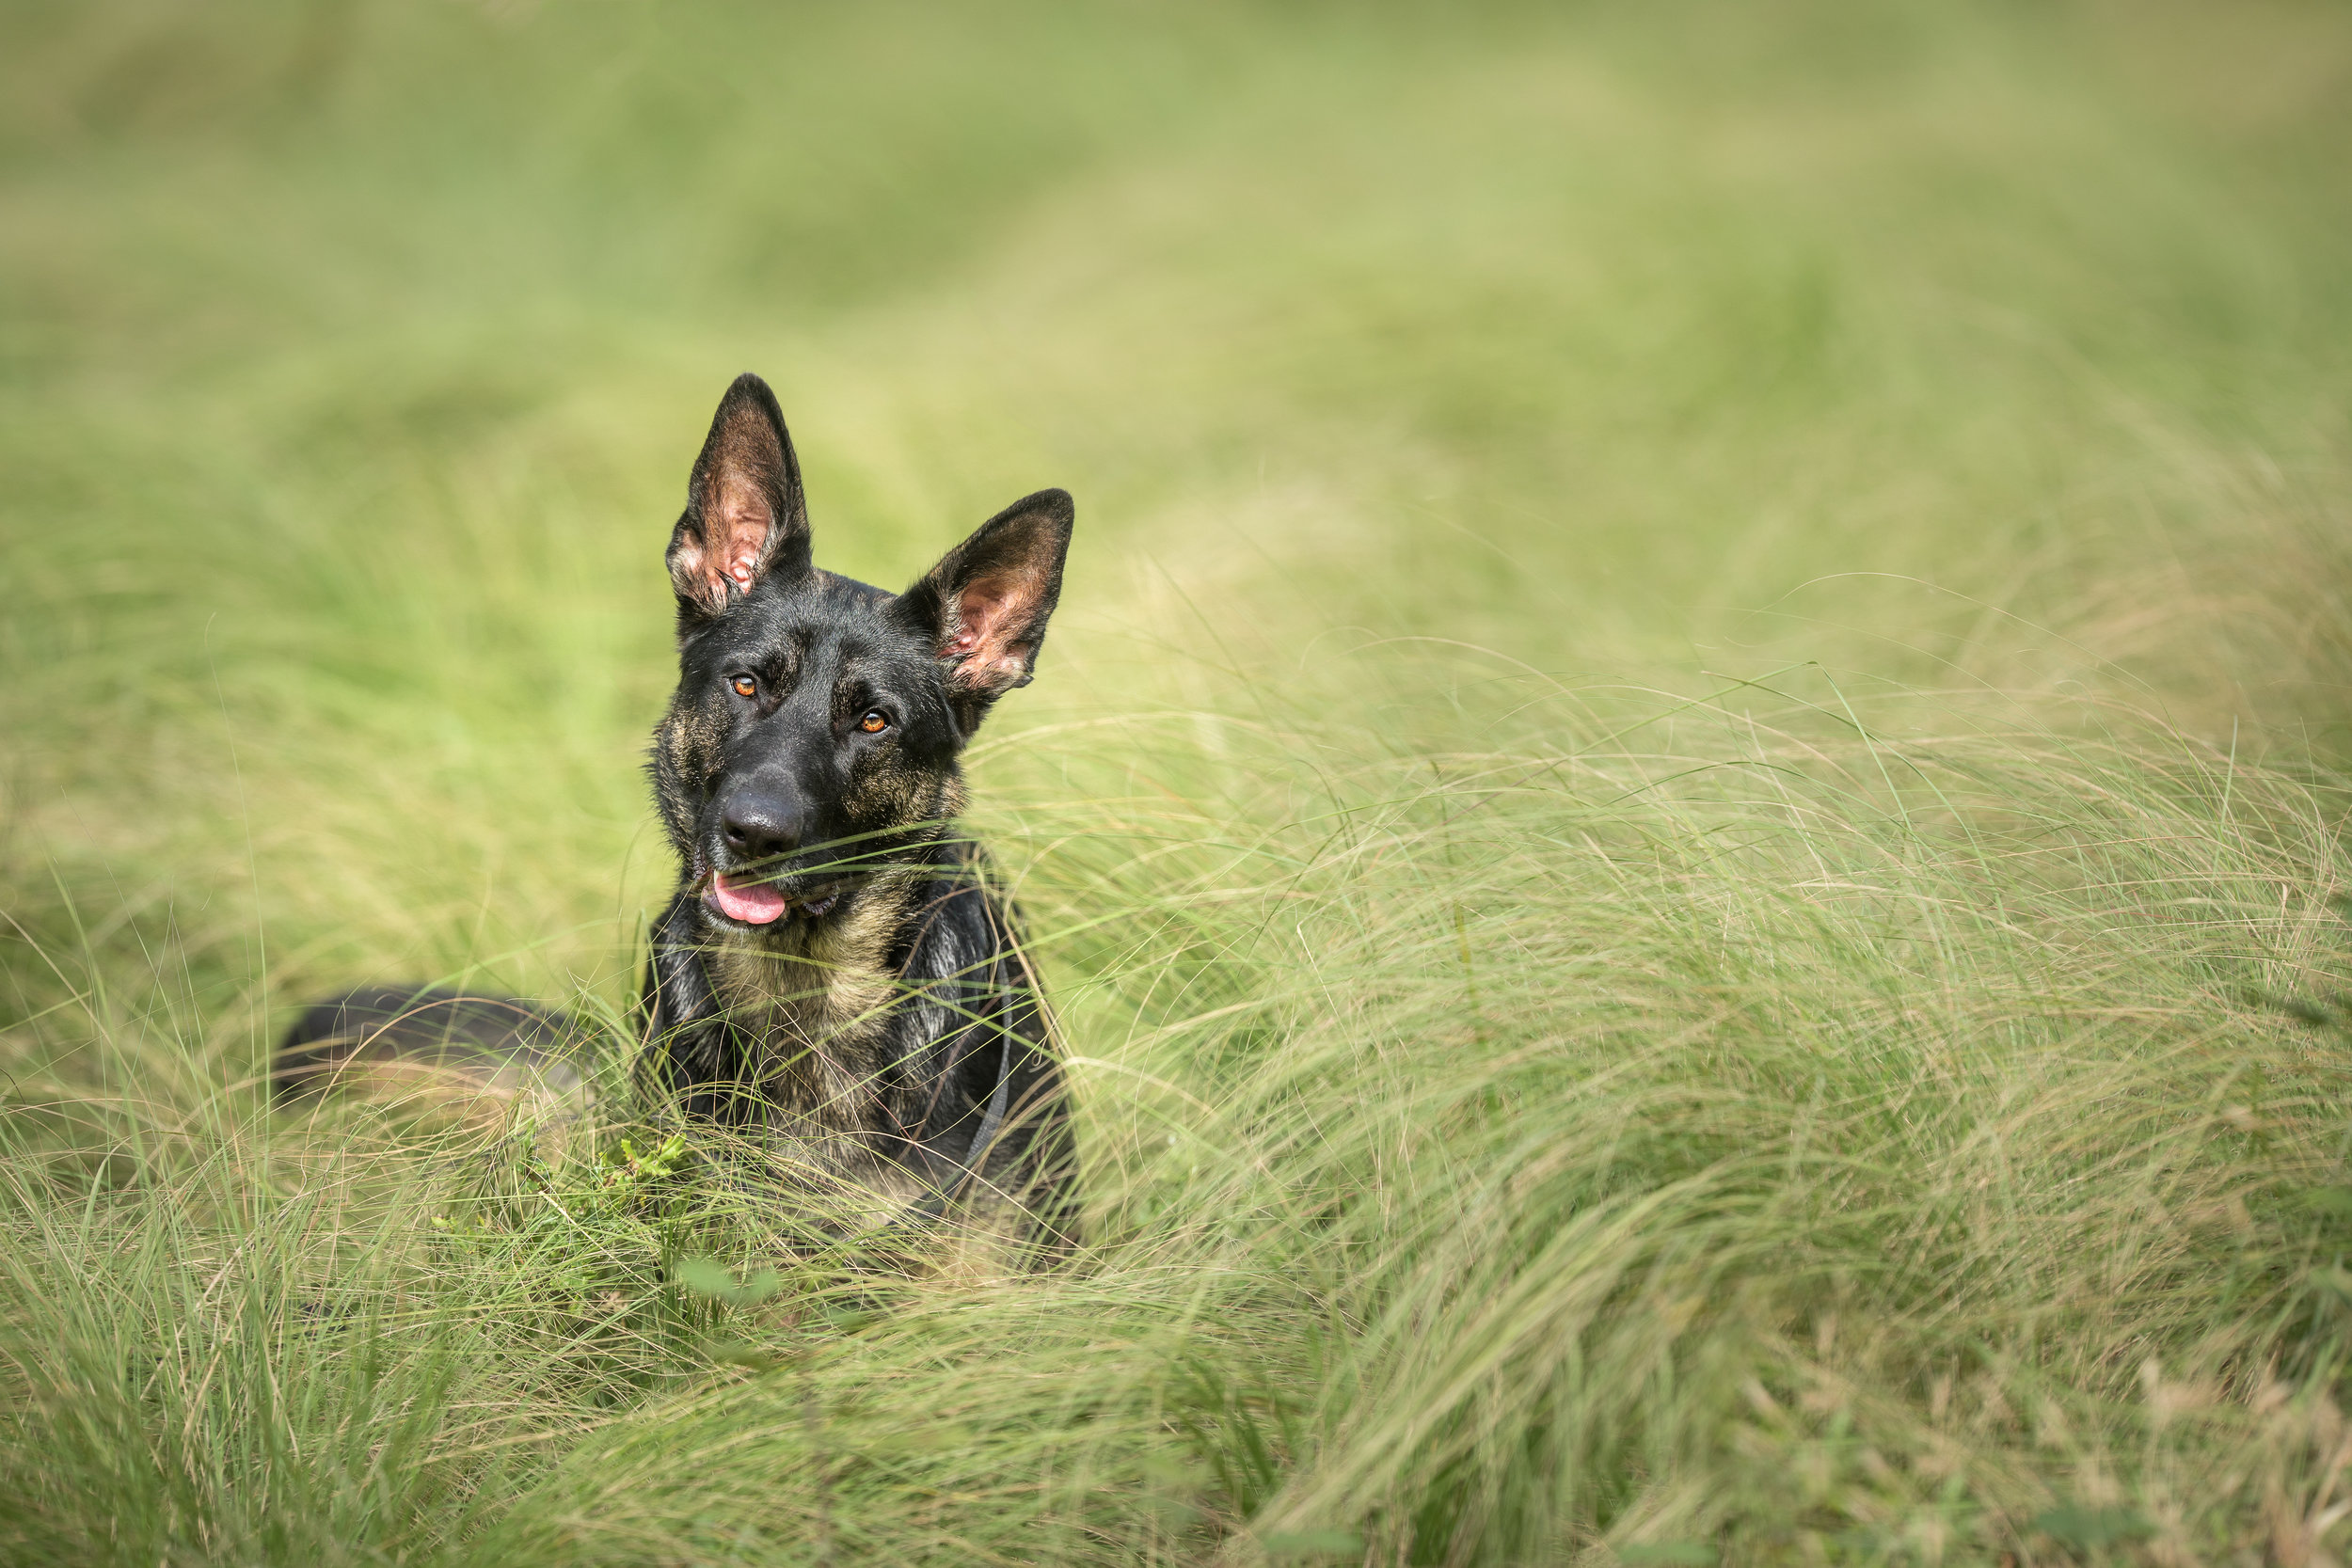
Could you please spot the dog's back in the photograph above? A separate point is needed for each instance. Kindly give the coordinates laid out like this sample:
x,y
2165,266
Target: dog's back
x,y
427,1041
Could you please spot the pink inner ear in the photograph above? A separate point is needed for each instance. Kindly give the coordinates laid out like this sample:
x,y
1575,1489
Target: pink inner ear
x,y
736,534
980,610
983,631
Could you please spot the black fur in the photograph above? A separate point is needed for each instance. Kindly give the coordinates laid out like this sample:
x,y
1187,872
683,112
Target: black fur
x,y
505,1045
836,975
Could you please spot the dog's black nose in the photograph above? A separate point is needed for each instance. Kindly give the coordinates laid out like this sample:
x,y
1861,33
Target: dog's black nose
x,y
760,823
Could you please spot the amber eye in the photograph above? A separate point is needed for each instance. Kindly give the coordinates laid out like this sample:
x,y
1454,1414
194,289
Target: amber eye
x,y
875,722
746,687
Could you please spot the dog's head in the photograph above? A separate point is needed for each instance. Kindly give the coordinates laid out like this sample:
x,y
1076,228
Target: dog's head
x,y
812,739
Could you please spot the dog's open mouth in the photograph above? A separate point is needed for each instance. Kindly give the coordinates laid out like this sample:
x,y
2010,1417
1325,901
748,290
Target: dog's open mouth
x,y
763,903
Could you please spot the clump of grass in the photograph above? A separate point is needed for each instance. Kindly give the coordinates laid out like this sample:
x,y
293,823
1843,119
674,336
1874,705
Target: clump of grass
x,y
1686,812
1919,1147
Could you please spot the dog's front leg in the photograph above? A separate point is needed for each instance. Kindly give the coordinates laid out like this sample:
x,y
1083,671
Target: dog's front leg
x,y
690,1052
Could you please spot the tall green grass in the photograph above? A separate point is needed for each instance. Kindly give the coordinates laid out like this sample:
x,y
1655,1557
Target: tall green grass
x,y
1686,815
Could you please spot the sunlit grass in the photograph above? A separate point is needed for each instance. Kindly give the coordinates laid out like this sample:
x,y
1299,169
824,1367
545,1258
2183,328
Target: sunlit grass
x,y
1685,816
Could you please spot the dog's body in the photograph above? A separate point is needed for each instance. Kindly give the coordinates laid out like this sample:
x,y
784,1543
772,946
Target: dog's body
x,y
836,975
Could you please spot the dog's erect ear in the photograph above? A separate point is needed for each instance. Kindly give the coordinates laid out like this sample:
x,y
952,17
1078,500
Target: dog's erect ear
x,y
745,519
985,606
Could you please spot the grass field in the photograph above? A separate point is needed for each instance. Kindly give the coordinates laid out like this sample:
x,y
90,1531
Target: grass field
x,y
1687,813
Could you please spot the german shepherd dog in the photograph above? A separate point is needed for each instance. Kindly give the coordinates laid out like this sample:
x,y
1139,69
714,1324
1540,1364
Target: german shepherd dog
x,y
836,978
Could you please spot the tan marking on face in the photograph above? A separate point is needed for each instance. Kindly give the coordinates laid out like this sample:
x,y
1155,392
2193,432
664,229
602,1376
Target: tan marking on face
x,y
694,737
900,796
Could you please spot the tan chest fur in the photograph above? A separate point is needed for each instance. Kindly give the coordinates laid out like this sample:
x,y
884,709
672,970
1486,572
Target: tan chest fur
x,y
812,1002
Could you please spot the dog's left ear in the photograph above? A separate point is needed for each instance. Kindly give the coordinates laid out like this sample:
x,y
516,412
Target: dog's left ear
x,y
984,607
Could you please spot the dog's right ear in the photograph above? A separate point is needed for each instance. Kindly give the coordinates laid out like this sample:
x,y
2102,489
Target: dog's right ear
x,y
745,519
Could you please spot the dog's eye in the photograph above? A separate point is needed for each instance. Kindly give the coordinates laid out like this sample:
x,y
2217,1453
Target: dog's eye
x,y
875,722
746,687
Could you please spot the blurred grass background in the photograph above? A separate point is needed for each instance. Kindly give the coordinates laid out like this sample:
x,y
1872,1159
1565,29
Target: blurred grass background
x,y
1684,809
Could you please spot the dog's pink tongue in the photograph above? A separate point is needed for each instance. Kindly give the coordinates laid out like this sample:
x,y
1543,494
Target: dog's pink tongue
x,y
756,904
